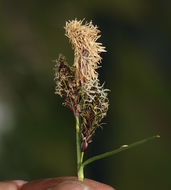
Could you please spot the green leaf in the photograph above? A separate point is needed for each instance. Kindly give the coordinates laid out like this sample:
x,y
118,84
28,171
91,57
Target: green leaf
x,y
122,148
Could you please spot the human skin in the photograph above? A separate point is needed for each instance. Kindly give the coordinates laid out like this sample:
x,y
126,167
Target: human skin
x,y
61,183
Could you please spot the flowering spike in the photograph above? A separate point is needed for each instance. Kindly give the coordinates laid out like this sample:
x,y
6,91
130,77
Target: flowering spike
x,y
79,84
86,50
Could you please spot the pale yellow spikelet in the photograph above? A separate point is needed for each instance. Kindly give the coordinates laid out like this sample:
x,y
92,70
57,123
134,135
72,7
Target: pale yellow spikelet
x,y
86,50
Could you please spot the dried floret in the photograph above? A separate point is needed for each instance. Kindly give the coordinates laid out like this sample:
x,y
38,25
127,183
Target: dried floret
x,y
86,50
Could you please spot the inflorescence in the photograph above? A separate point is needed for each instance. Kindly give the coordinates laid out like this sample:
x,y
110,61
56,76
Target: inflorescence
x,y
78,84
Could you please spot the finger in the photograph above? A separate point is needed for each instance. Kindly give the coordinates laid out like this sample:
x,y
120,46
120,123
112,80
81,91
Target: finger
x,y
65,183
11,185
70,185
77,185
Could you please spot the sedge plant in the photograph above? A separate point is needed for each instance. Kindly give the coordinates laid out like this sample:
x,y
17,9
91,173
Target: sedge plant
x,y
81,90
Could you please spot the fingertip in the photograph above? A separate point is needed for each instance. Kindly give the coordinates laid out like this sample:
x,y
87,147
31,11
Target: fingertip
x,y
71,185
8,185
11,185
65,183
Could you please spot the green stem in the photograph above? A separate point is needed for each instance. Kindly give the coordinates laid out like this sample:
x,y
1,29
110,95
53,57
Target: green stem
x,y
80,171
122,148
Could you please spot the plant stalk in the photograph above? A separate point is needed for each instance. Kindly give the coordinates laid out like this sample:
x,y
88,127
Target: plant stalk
x,y
80,171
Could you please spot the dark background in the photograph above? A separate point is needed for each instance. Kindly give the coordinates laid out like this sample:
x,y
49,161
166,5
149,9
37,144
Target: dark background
x,y
37,134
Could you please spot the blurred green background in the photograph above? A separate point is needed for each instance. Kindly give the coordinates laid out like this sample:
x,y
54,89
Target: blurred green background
x,y
37,136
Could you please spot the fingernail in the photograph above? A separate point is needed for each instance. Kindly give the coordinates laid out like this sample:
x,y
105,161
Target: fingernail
x,y
70,185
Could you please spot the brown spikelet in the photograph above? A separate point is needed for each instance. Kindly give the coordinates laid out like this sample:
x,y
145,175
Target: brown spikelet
x,y
66,85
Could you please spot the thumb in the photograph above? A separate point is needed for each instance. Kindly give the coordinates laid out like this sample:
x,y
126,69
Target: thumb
x,y
71,185
65,183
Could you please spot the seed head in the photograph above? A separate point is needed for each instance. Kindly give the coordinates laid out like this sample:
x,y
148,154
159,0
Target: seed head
x,y
78,84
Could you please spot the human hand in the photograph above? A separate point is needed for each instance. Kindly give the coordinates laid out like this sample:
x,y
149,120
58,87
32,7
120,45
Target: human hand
x,y
11,185
62,183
